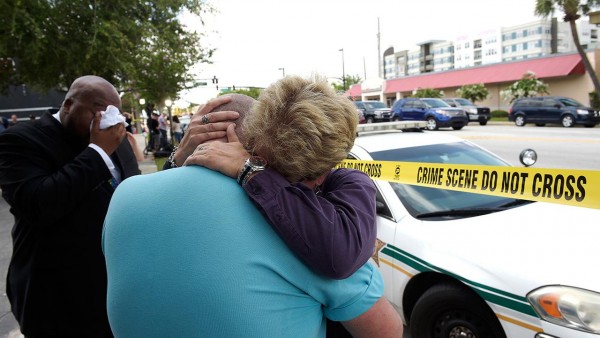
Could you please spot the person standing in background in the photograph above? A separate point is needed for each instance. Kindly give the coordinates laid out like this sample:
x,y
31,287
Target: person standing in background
x,y
178,133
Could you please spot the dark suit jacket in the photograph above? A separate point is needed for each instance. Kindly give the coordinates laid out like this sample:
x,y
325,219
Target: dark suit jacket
x,y
58,190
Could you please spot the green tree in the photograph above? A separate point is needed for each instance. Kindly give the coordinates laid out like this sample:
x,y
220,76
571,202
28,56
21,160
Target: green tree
x,y
572,9
252,92
428,92
473,92
350,80
139,46
528,86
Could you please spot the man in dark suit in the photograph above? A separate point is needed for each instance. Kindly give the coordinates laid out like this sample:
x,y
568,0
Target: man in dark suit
x,y
58,174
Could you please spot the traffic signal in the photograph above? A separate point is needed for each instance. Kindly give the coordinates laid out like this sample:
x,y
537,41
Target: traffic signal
x,y
215,80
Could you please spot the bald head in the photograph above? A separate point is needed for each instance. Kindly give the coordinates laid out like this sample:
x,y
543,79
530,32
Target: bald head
x,y
86,96
241,104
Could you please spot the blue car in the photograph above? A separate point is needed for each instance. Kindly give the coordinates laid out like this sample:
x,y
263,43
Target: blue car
x,y
436,112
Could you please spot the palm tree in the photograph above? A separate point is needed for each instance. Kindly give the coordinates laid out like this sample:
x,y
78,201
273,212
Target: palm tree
x,y
572,10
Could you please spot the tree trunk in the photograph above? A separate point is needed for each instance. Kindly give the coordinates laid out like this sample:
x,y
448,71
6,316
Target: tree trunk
x,y
586,62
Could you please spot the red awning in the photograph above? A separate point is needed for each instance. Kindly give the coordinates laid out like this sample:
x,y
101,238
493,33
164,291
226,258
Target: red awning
x,y
354,91
548,67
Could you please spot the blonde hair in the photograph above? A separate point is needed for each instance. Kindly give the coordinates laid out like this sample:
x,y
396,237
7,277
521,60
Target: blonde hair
x,y
302,127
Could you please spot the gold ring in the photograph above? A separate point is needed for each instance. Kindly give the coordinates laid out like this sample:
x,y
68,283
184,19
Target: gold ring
x,y
206,119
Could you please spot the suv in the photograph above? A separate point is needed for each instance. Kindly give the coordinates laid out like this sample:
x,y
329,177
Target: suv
x,y
436,112
373,111
476,113
552,109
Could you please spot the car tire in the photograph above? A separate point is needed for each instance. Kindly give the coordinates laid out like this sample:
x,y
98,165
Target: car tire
x,y
370,120
432,124
589,125
519,120
540,124
457,127
451,310
396,118
483,122
567,121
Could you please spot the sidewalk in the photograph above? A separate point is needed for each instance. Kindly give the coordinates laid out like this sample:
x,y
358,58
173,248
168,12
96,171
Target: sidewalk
x,y
148,165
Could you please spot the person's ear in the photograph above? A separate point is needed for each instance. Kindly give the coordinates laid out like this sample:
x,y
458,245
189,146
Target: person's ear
x,y
66,106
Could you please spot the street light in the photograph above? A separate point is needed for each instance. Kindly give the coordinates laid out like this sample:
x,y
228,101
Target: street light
x,y
142,114
169,103
282,71
343,70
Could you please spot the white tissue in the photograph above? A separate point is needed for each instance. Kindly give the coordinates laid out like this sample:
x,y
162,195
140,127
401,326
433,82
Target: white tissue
x,y
112,116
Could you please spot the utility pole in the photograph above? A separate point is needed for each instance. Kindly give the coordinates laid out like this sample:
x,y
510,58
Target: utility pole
x,y
378,50
343,70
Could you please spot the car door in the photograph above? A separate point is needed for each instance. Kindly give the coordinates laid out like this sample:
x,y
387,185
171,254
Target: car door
x,y
415,110
534,111
551,111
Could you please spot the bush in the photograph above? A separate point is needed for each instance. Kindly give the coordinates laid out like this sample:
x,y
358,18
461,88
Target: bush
x,y
499,114
594,100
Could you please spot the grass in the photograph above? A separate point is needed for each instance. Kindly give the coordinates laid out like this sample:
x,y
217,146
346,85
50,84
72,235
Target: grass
x,y
160,161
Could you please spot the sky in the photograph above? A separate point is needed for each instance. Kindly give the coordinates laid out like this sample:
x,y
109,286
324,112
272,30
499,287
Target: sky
x,y
254,39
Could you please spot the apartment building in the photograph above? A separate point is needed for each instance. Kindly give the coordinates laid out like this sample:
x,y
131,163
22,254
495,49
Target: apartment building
x,y
529,40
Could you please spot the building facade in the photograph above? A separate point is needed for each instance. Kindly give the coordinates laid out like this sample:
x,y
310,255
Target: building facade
x,y
496,58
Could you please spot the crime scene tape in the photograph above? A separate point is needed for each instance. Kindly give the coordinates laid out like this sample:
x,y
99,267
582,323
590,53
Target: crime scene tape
x,y
562,186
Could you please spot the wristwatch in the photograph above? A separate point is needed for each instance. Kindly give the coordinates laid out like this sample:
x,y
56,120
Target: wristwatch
x,y
252,165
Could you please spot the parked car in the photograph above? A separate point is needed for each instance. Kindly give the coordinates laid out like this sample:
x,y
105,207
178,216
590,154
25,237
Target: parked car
x,y
373,111
552,109
361,116
437,113
476,113
460,264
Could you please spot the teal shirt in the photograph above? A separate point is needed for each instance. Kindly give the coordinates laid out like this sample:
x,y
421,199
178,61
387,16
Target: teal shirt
x,y
189,255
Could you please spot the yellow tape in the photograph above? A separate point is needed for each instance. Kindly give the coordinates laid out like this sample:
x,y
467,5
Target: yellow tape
x,y
571,187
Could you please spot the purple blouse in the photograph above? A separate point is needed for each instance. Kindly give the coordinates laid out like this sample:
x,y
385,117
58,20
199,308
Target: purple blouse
x,y
333,231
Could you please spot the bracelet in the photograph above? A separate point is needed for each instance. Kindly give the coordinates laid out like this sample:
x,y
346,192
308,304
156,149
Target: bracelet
x,y
172,158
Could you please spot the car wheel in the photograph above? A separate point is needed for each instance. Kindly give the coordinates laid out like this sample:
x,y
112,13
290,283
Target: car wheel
x,y
449,310
432,124
370,120
396,119
567,121
457,127
483,122
519,120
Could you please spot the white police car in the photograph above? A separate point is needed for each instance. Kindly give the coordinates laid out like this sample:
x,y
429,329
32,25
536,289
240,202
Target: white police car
x,y
459,264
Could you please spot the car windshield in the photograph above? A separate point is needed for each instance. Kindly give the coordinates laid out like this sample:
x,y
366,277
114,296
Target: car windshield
x,y
570,102
375,105
464,102
435,103
421,201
